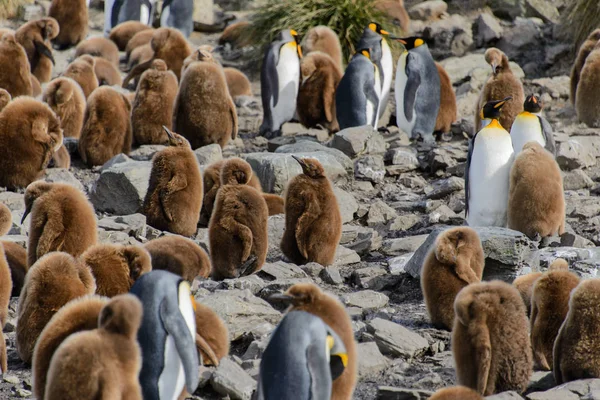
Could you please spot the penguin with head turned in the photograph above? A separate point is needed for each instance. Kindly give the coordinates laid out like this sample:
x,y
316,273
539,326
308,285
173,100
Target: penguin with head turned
x,y
417,90
487,171
280,82
359,92
530,125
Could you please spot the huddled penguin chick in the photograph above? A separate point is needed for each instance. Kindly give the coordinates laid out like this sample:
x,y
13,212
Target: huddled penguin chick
x,y
212,335
303,358
15,77
100,363
524,283
50,283
82,71
35,37
279,81
236,35
576,354
316,98
202,53
106,128
584,51
204,112
448,109
140,39
530,125
36,87
313,223
26,149
502,83
586,103
455,261
98,46
138,56
536,202
381,55
66,99
153,105
324,39
16,256
106,72
5,219
456,393
61,158
174,195
116,267
310,298
487,172
237,82
179,255
122,33
167,335
5,293
549,306
72,17
358,94
62,219
5,98
490,339
80,314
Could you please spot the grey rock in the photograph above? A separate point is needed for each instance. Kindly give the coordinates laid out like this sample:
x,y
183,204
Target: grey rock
x,y
366,299
62,175
404,222
276,229
358,141
443,187
229,379
146,152
380,214
251,282
404,159
450,36
21,240
575,153
370,359
72,145
505,396
14,201
116,237
440,159
370,168
431,9
281,270
576,180
488,29
307,146
397,265
393,393
133,225
374,278
541,380
542,9
396,340
118,159
209,154
557,86
332,276
473,67
347,203
508,9
523,37
560,394
256,349
345,256
361,239
403,245
570,239
442,214
313,269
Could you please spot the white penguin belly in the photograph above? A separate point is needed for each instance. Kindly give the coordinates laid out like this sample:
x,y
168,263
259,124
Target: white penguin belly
x,y
526,128
108,5
489,174
145,15
164,16
387,64
288,74
401,78
172,379
373,109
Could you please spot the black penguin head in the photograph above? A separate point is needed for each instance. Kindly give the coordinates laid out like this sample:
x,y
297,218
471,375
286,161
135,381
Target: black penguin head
x,y
411,42
532,104
295,36
375,27
491,110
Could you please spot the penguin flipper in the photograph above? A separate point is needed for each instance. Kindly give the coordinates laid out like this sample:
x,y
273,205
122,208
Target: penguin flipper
x,y
271,60
413,81
372,96
548,135
318,369
50,239
240,230
185,344
467,168
311,214
202,345
114,14
44,50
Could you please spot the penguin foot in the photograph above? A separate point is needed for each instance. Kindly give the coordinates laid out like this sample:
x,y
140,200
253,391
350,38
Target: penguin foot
x,y
272,134
247,267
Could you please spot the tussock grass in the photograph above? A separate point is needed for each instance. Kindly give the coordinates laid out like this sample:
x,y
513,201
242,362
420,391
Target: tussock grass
x,y
579,19
10,8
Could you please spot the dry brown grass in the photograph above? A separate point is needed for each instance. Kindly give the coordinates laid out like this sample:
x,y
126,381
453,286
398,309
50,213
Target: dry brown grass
x,y
10,8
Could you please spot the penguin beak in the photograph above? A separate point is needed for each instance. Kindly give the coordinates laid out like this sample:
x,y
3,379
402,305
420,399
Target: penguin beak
x,y
300,161
384,32
501,103
299,51
534,99
494,68
25,214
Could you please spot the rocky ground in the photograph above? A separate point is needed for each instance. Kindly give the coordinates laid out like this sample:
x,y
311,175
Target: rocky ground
x,y
395,196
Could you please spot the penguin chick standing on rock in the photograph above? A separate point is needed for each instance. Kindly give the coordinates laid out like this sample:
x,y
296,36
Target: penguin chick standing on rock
x,y
531,126
304,356
72,17
417,90
524,283
106,128
140,39
279,82
122,33
62,219
324,39
448,110
35,38
174,195
536,200
359,92
66,99
487,171
81,70
179,255
101,363
15,77
455,261
584,51
502,83
313,223
490,339
587,104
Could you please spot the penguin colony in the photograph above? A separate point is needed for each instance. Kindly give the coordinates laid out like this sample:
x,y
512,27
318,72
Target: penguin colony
x,y
73,291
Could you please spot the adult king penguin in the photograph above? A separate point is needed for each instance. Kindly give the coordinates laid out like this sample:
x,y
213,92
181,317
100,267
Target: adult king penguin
x,y
167,335
358,93
280,82
417,90
178,14
487,172
381,55
530,125
117,11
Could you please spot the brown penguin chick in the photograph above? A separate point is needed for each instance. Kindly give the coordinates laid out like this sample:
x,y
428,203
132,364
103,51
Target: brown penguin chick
x,y
122,33
237,82
106,127
62,219
456,260
310,298
200,54
211,329
586,104
139,55
102,363
576,354
204,112
316,97
80,314
36,87
5,98
5,219
490,339
395,10
5,292
237,232
139,39
99,46
61,158
72,17
116,267
153,105
15,77
16,255
501,84
313,224
52,282
35,37
549,306
448,111
66,99
536,202
179,255
524,284
81,70
174,195
456,393
584,51
26,148
236,35
324,39
106,72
